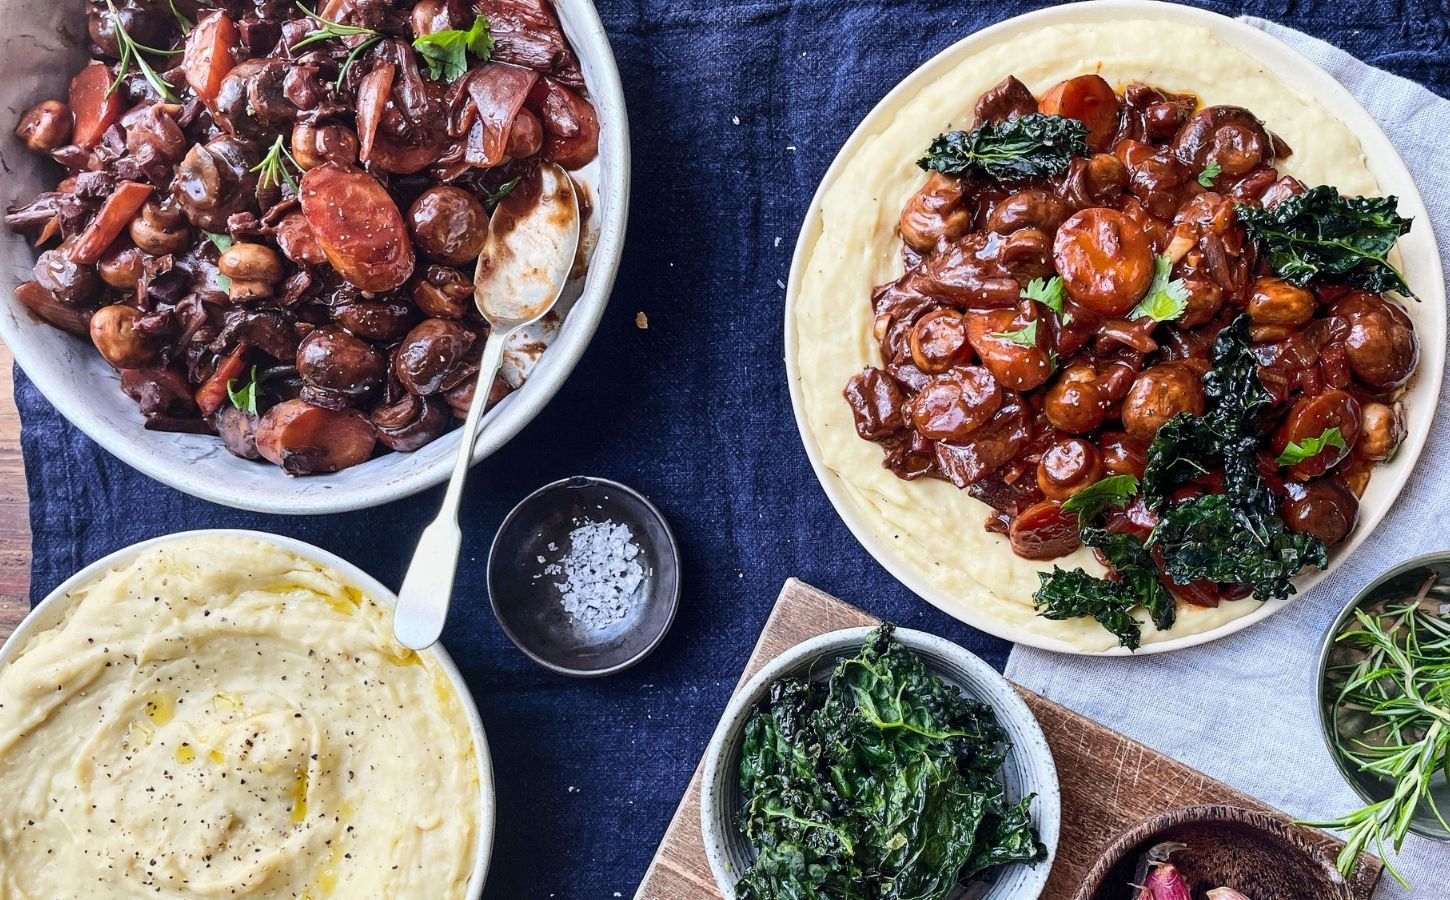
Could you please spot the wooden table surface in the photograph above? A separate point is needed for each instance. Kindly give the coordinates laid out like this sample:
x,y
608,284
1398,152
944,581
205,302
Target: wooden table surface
x,y
14,522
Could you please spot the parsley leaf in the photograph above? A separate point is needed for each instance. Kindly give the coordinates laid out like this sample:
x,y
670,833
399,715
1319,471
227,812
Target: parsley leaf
x,y
1319,234
245,397
1167,297
1114,491
1210,174
223,242
1033,146
1026,337
446,52
1297,452
1050,292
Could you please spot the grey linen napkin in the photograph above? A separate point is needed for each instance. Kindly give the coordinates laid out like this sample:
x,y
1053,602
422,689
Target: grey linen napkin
x,y
1241,709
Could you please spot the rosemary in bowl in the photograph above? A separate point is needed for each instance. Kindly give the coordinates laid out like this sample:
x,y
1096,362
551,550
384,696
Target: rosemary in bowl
x,y
1385,703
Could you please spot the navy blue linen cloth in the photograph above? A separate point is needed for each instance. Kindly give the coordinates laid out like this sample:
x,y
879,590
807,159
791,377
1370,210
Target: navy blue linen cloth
x,y
736,110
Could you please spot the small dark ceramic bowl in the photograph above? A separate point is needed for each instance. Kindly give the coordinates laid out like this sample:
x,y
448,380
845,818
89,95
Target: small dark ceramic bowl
x,y
1258,855
527,601
1400,582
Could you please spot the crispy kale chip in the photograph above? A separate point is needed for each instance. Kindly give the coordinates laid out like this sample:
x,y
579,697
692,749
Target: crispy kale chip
x,y
1237,536
880,781
1228,539
1065,594
1033,146
1073,594
1227,437
1319,234
1135,567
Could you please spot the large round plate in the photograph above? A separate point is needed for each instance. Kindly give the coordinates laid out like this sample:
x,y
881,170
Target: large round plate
x,y
1418,249
53,610
40,54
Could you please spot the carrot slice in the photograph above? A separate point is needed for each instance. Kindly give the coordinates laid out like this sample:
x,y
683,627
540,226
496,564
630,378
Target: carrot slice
x,y
213,392
93,104
116,213
209,55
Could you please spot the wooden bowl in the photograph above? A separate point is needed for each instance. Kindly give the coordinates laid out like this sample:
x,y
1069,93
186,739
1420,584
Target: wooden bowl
x,y
1258,855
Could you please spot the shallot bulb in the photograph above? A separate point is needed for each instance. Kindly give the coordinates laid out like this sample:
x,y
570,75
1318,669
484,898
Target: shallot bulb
x,y
1159,879
1164,882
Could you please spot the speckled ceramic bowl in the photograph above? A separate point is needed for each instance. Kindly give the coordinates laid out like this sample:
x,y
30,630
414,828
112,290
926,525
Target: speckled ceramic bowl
x,y
40,49
1029,768
53,610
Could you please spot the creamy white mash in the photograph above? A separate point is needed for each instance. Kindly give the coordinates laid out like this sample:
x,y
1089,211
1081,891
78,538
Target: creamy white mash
x,y
221,718
931,526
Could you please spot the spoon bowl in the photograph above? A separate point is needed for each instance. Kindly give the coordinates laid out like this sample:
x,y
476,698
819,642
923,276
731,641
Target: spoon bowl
x,y
533,239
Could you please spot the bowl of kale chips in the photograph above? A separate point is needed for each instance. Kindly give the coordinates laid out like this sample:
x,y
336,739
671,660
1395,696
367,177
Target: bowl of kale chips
x,y
879,763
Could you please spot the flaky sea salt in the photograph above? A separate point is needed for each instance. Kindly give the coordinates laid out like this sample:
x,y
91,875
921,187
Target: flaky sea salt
x,y
601,571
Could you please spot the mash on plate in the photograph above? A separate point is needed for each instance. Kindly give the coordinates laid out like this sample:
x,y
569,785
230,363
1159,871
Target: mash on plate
x,y
221,718
929,525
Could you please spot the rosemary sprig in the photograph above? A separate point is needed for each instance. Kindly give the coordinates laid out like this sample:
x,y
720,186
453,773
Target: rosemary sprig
x,y
325,29
1401,681
133,52
181,20
273,169
492,201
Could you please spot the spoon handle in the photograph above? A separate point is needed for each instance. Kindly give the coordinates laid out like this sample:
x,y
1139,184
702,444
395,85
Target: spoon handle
x,y
427,588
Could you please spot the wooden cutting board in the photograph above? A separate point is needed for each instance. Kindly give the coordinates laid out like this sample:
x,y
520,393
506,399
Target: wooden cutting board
x,y
14,523
1108,781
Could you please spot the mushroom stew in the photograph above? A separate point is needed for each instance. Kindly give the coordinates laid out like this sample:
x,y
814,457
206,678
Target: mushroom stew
x,y
268,213
1121,326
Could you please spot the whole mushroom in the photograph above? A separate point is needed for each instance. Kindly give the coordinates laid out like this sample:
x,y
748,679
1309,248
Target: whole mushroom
x,y
432,357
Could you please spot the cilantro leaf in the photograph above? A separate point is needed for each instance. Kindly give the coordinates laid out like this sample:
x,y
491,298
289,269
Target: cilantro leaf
x,y
245,397
1167,297
223,242
1050,292
446,52
1210,174
1026,337
1297,452
1114,491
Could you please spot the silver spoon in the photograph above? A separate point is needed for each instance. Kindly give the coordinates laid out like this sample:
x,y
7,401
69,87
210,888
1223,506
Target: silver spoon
x,y
525,264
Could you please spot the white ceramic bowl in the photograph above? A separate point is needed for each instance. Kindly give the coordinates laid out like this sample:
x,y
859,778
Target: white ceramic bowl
x,y
1029,768
40,56
51,611
1421,266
